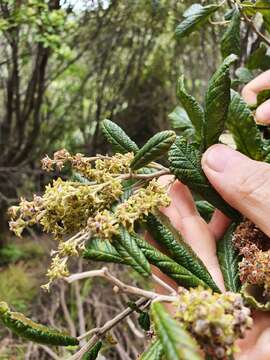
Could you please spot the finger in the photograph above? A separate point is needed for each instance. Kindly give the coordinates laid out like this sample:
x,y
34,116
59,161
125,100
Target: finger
x,y
218,224
263,113
185,217
261,350
251,90
242,182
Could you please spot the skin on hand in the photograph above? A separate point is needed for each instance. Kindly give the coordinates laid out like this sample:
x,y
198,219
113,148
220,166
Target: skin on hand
x,y
244,184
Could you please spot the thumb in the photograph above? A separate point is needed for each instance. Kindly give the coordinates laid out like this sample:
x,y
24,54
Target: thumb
x,y
242,182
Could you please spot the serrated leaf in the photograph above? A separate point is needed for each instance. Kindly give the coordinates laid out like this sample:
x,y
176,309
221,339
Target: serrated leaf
x,y
181,123
92,354
130,253
231,42
217,102
30,330
102,250
197,16
259,59
175,271
154,352
192,107
185,164
144,321
229,258
245,132
165,234
119,140
177,343
205,209
155,147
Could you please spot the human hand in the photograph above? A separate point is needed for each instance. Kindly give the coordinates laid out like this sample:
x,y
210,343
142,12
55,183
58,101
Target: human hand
x,y
244,184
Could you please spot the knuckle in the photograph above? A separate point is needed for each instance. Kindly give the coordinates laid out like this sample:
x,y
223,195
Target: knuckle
x,y
254,186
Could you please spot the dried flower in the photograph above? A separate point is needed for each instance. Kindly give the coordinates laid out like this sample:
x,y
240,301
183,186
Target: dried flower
x,y
215,320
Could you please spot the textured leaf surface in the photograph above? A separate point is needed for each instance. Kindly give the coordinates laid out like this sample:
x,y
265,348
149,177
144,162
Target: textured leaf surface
x,y
230,42
245,132
217,102
119,140
155,147
154,352
180,251
228,259
92,354
176,341
130,253
28,329
181,123
102,250
192,107
185,163
195,17
169,267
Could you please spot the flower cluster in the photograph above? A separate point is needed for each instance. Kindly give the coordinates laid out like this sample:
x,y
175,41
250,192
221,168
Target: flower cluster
x,y
65,206
215,320
253,245
92,208
103,169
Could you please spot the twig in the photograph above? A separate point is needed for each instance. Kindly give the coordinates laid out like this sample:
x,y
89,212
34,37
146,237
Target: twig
x,y
50,352
66,312
99,332
164,285
261,35
80,310
104,272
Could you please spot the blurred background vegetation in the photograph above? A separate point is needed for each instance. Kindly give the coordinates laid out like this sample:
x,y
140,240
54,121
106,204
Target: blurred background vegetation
x,y
64,67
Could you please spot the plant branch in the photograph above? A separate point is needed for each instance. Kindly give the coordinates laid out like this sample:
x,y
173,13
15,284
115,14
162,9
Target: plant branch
x,y
251,23
119,285
99,332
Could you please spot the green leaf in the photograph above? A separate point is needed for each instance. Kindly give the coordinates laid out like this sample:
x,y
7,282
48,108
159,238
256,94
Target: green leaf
x,y
192,107
185,164
119,140
195,17
217,102
229,258
154,352
131,254
259,59
205,209
144,321
243,128
169,267
231,42
92,354
165,234
155,147
102,250
181,123
263,96
244,75
177,343
28,329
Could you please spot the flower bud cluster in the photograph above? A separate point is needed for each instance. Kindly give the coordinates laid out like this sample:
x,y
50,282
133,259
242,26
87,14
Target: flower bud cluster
x,y
215,320
253,245
87,209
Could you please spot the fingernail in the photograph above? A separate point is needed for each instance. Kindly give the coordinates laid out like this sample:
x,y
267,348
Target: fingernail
x,y
218,157
263,113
